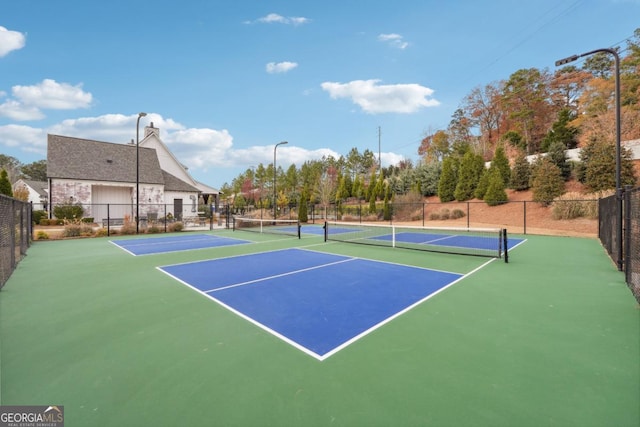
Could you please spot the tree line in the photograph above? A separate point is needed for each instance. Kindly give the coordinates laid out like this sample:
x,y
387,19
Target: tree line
x,y
499,124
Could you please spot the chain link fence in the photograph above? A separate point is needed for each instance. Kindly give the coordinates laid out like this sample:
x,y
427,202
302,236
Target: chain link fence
x,y
622,247
632,240
15,234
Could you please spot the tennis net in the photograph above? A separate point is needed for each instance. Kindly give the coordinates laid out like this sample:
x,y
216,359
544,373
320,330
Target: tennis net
x,y
288,227
487,242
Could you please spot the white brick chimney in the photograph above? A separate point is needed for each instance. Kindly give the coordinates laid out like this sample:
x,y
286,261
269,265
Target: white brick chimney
x,y
148,130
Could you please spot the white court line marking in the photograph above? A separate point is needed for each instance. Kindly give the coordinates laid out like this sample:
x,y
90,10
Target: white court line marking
x,y
346,343
167,240
401,312
289,273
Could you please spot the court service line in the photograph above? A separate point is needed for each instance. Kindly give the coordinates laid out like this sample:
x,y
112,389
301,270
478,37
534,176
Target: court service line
x,y
289,273
400,313
164,240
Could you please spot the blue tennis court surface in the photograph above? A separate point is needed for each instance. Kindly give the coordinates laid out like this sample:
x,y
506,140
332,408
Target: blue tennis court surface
x,y
315,301
155,245
437,239
451,240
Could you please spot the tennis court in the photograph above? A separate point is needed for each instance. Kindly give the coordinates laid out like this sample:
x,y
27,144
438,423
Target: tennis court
x,y
275,330
156,245
317,302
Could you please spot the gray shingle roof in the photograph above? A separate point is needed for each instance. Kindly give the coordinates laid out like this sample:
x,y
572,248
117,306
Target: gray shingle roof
x,y
39,186
84,159
172,183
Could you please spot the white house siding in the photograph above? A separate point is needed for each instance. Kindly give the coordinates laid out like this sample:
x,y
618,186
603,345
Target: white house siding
x,y
167,161
34,197
111,201
70,191
120,198
189,205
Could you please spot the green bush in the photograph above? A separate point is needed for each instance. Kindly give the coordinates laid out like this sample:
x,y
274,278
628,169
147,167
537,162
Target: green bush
x,y
495,194
68,211
546,181
37,216
41,235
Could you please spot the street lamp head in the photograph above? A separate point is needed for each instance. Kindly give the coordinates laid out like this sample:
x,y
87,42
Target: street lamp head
x,y
142,114
566,60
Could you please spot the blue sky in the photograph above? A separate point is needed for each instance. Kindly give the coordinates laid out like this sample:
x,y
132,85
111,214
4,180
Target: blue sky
x,y
227,80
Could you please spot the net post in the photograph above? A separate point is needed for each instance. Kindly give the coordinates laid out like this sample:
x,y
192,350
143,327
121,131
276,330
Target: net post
x,y
326,230
299,229
505,241
393,236
233,222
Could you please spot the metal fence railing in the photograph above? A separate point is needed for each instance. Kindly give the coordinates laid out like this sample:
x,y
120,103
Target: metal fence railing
x,y
608,224
15,234
622,240
520,217
632,240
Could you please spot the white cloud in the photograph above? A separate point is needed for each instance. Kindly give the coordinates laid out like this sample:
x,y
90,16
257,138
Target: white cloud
x,y
374,98
19,112
29,101
10,41
200,148
280,67
29,139
389,159
53,95
287,155
394,40
274,18
112,127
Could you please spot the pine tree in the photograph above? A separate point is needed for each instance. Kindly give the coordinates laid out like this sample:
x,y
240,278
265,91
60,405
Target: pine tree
x,y
302,209
495,194
546,181
387,205
598,169
5,185
469,174
448,180
372,203
502,163
558,157
483,185
521,173
561,132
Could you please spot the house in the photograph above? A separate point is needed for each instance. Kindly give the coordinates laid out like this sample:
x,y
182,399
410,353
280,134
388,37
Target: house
x,y
105,178
38,192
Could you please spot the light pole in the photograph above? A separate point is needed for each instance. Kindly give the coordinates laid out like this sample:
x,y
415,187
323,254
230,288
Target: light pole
x,y
140,115
275,170
613,52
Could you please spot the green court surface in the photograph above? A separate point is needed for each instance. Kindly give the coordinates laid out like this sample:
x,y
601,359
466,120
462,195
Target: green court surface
x,y
551,338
